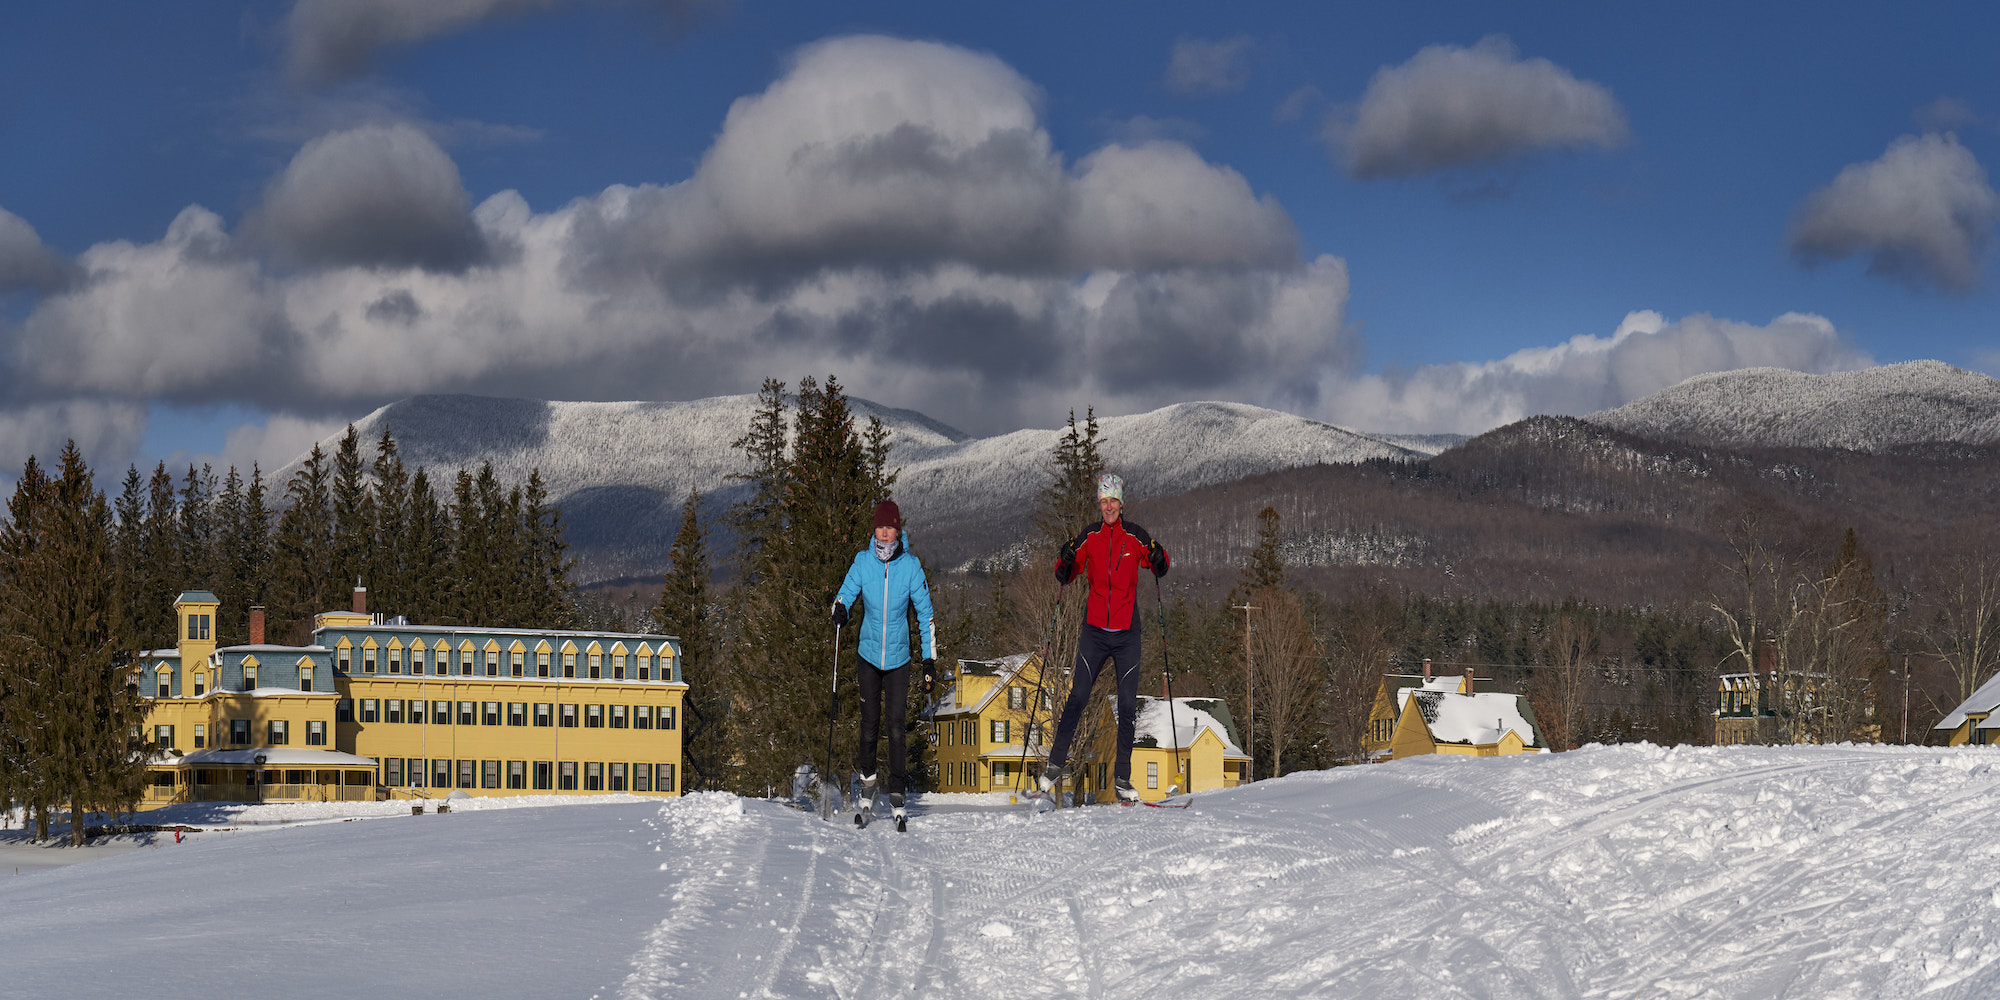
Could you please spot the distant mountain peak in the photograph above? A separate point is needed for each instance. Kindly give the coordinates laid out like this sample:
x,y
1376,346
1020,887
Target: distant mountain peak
x,y
1870,410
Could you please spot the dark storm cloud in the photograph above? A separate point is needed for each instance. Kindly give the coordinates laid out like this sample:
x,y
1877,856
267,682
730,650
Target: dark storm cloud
x,y
334,39
1452,107
378,195
1922,214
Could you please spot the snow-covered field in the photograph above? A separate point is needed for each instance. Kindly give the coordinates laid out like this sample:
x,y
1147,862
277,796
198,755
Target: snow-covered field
x,y
1622,872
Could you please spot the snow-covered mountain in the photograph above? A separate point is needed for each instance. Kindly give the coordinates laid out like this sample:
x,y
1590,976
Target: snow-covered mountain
x,y
620,471
1872,410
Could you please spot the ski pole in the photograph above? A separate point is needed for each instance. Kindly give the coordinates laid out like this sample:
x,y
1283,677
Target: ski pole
x,y
832,710
1167,670
1048,648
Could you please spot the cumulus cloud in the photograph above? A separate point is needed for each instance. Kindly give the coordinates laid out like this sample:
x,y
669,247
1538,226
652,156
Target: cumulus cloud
x,y
378,195
1921,214
891,211
1451,106
24,261
335,39
1644,355
1202,66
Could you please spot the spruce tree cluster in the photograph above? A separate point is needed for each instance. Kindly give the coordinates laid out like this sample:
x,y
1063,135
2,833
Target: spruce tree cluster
x,y
488,554
815,479
69,714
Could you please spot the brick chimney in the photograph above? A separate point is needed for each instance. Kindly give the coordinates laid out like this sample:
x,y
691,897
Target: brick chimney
x,y
1468,680
257,625
1767,657
1427,670
360,598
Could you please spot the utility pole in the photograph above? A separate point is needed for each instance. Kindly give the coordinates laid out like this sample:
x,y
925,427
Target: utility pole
x,y
1249,688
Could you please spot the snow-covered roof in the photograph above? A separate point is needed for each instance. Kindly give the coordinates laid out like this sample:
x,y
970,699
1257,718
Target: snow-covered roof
x,y
1474,719
1445,683
1179,727
1985,699
275,757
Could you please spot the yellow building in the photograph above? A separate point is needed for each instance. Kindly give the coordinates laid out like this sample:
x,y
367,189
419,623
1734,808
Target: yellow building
x,y
989,733
375,709
1487,724
980,726
1392,694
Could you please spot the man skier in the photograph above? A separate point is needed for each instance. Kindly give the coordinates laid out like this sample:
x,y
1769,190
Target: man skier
x,y
889,581
1112,553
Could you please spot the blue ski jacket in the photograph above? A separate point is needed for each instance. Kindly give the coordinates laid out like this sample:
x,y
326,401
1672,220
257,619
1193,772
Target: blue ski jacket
x,y
887,591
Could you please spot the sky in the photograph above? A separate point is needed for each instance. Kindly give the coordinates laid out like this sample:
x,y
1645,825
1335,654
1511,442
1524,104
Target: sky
x,y
227,229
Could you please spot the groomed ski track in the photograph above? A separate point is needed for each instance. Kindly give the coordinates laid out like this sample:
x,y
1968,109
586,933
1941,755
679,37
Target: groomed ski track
x,y
1621,872
1633,871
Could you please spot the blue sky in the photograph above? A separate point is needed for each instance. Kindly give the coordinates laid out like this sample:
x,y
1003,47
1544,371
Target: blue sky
x,y
1425,217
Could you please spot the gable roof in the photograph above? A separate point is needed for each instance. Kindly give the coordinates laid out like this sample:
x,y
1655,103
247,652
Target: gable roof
x,y
1476,719
1178,728
1986,699
1002,670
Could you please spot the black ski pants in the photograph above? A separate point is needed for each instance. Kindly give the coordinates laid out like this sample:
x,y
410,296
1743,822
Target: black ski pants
x,y
1093,648
878,687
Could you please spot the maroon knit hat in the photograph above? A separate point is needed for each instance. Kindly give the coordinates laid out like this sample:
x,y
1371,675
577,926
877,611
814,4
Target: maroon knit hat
x,y
888,516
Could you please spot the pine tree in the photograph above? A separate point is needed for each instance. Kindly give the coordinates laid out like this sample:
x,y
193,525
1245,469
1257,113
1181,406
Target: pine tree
x,y
160,561
427,553
810,508
131,550
1267,562
352,518
194,541
1068,503
389,503
548,563
63,633
301,585
683,612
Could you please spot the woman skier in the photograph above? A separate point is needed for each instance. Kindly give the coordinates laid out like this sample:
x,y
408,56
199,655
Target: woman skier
x,y
888,581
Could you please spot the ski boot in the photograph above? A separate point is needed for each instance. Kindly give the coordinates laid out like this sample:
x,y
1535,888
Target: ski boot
x,y
1052,776
864,805
1127,795
896,810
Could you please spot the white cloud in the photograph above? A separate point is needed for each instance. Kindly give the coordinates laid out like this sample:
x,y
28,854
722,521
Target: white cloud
x,y
1944,114
1644,355
1921,214
890,211
1450,106
271,445
1202,66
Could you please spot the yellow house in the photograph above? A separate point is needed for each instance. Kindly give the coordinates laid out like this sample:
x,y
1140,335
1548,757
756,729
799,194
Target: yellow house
x,y
1487,724
1170,742
988,731
377,708
1391,694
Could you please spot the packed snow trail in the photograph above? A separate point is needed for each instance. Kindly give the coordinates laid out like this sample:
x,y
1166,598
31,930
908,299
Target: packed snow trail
x,y
1615,872
1618,873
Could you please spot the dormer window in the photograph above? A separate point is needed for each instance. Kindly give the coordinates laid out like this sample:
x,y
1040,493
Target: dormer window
x,y
306,679
200,684
249,677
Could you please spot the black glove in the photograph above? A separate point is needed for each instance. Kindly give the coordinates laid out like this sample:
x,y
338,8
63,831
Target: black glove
x,y
930,676
1157,558
1066,561
839,613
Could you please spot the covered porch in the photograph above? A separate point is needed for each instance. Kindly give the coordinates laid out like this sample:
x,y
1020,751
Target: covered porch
x,y
269,774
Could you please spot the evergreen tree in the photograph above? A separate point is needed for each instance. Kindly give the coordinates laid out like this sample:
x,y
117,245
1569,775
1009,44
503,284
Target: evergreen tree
x,y
389,503
1267,563
195,546
62,633
301,585
352,518
810,508
131,550
427,553
160,561
548,562
1068,503
683,612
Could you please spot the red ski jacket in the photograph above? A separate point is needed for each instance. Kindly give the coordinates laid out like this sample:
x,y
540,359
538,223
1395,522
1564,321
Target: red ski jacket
x,y
1112,554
